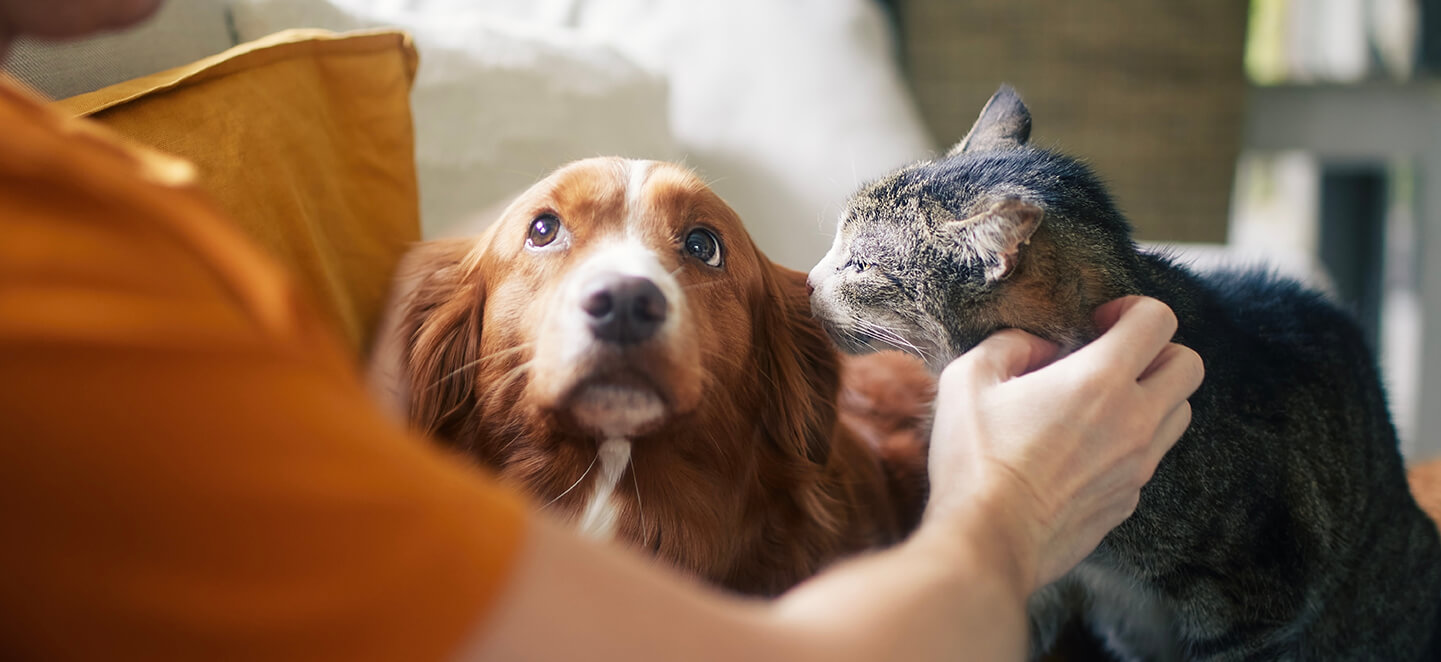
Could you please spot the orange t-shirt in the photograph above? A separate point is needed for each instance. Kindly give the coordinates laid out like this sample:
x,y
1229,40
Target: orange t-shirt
x,y
190,467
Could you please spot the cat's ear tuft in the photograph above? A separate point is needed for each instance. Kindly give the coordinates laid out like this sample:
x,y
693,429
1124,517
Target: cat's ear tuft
x,y
995,237
1005,123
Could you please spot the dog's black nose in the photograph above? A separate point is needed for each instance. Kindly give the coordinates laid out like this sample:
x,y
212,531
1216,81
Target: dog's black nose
x,y
624,309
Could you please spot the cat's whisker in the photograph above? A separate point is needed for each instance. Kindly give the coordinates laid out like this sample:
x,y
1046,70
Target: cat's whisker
x,y
890,337
879,338
898,338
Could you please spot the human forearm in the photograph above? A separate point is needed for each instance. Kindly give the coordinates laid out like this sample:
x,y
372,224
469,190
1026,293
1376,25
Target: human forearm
x,y
955,590
946,593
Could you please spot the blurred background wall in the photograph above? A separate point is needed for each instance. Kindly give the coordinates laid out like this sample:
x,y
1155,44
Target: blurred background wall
x,y
1136,87
1302,133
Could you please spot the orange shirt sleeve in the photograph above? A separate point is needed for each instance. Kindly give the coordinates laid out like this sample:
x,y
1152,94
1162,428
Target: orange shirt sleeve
x,y
189,465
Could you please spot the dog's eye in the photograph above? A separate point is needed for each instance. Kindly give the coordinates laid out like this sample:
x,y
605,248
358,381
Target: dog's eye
x,y
543,230
702,245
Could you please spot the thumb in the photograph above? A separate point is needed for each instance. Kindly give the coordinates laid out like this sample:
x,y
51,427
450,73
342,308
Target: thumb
x,y
1009,353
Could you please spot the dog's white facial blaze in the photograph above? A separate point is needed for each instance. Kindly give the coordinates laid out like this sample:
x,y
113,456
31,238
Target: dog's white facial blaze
x,y
615,409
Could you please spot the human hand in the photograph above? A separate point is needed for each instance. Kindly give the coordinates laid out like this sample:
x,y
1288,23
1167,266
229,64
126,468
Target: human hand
x,y
1054,456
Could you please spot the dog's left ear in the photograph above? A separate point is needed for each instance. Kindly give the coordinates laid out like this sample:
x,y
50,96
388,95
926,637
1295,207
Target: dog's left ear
x,y
799,361
429,331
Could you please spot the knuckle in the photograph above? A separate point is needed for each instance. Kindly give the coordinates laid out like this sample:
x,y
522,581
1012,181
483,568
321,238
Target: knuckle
x,y
1145,471
1158,310
1133,501
957,374
1195,366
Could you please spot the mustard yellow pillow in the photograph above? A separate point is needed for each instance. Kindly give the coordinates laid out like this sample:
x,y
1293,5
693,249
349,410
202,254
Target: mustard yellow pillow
x,y
305,139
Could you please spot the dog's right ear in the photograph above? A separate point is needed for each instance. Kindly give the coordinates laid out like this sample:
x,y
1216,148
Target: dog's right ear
x,y
429,335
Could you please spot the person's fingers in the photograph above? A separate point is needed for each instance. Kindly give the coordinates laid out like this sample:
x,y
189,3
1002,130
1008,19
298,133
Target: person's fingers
x,y
1135,329
1005,354
1168,433
1175,374
1105,315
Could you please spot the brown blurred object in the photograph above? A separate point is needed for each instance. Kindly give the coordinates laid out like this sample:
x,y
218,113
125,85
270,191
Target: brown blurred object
x,y
1149,93
886,401
1426,487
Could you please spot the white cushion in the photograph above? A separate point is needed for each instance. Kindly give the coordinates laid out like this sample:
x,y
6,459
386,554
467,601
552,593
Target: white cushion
x,y
785,107
497,103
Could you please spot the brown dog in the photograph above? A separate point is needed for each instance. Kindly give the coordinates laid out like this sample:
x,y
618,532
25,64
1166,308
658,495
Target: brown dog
x,y
617,346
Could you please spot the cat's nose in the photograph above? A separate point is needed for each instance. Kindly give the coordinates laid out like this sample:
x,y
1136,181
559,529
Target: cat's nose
x,y
810,287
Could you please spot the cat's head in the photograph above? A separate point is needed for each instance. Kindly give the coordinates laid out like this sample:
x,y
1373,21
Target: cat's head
x,y
937,255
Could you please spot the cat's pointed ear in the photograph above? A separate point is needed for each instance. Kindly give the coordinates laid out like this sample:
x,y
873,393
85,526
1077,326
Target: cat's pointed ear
x,y
1005,123
995,237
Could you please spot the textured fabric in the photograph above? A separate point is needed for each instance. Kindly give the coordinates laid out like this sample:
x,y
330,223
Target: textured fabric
x,y
304,139
1151,94
190,468
181,31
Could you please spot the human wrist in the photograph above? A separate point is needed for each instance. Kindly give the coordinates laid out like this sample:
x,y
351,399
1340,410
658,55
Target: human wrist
x,y
986,526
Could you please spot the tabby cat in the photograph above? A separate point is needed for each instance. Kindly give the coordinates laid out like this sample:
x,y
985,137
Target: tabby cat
x,y
1280,527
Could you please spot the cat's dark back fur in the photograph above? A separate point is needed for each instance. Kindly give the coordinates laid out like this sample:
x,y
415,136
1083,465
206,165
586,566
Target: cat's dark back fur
x,y
1281,526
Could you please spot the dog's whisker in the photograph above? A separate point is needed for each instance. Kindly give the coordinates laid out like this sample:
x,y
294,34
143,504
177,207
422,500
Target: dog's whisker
x,y
512,375
577,482
471,364
640,507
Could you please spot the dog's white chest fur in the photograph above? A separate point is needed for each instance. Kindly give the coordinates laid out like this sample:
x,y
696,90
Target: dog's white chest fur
x,y
598,519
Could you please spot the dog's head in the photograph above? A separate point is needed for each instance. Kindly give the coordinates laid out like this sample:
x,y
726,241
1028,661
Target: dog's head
x,y
615,299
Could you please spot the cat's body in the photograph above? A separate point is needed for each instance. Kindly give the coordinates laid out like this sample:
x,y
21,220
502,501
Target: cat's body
x,y
1280,527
